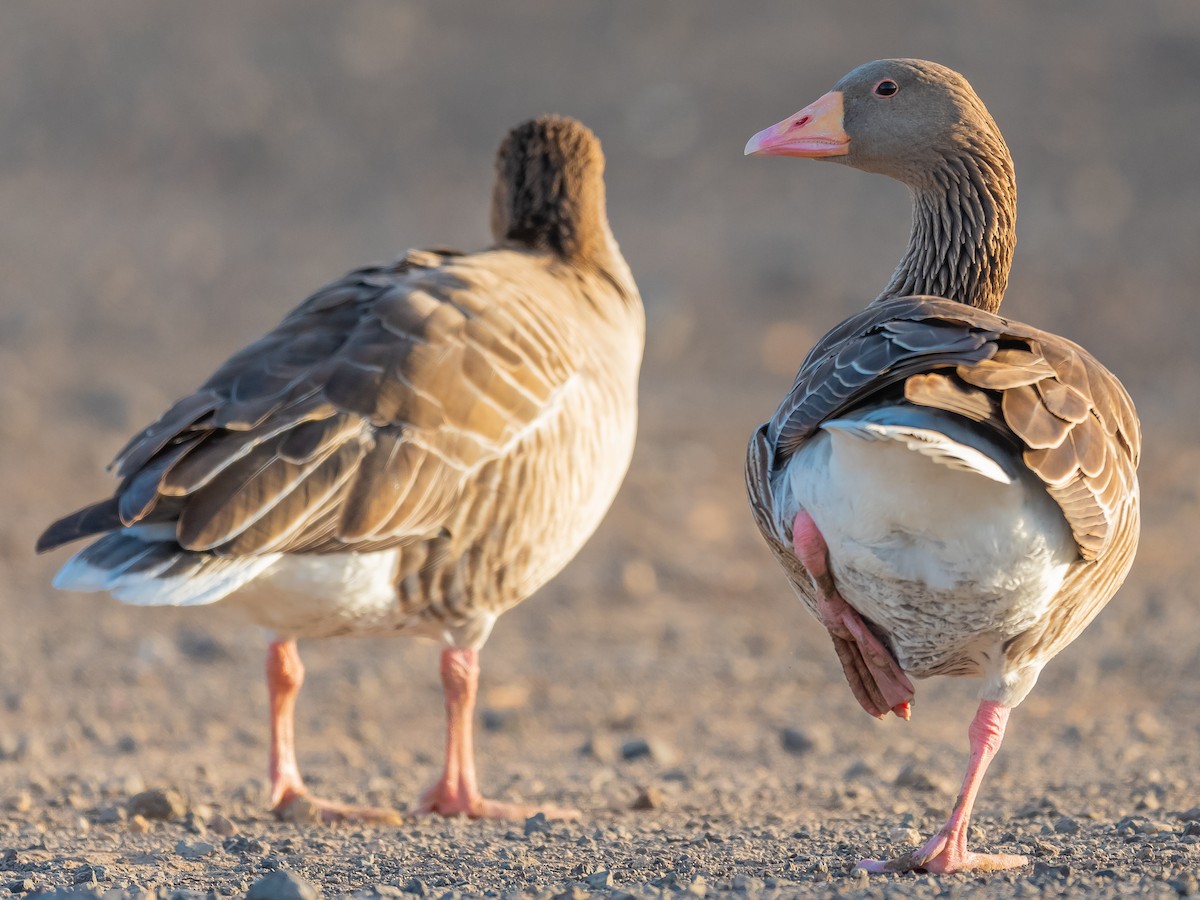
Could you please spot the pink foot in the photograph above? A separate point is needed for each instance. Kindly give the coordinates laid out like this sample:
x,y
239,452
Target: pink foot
x,y
448,801
942,856
874,676
313,810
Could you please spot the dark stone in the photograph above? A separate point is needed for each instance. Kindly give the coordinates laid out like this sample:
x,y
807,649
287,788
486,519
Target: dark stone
x,y
796,741
535,823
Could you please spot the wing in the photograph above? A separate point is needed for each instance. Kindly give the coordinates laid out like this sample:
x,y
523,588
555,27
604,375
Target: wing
x,y
1069,417
358,421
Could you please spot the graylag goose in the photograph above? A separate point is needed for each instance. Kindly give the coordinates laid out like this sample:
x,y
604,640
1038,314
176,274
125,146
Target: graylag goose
x,y
948,491
417,448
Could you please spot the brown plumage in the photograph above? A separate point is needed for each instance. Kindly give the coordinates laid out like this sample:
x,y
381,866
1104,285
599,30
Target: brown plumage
x,y
929,367
1069,417
446,430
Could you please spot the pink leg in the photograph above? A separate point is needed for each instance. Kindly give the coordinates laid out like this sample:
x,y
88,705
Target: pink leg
x,y
947,850
457,792
878,682
289,797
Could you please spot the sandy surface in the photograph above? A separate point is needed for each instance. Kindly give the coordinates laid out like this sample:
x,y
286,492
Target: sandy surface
x,y
174,179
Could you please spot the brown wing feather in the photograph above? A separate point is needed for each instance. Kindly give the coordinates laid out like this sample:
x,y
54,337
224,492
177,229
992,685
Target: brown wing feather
x,y
357,422
948,393
1073,419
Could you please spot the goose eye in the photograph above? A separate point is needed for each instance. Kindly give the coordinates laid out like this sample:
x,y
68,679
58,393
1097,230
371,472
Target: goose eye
x,y
886,88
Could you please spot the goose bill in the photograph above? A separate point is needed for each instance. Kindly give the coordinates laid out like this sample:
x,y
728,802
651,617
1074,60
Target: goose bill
x,y
815,131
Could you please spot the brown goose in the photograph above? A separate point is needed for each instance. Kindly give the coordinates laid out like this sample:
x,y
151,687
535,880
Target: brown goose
x,y
948,491
415,449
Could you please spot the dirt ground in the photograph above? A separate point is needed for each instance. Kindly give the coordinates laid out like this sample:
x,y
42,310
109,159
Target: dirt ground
x,y
174,178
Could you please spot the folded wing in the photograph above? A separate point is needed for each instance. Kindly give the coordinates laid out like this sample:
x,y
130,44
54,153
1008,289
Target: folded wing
x,y
357,422
1068,418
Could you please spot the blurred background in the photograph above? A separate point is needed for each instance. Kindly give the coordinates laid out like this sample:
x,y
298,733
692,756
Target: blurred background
x,y
175,178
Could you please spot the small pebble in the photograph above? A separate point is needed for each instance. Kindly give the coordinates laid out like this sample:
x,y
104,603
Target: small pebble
x,y
600,747
22,802
747,884
158,803
601,880
282,885
76,801
222,826
913,777
252,846
796,741
635,748
1046,870
110,815
639,578
1045,848
201,646
13,747
139,824
861,770
1067,825
90,875
1130,823
499,719
535,823
909,836
197,850
648,798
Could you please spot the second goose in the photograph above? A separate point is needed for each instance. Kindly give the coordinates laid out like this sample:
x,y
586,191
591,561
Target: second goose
x,y
949,492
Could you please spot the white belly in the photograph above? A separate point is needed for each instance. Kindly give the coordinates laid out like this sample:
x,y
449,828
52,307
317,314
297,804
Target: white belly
x,y
332,594
948,562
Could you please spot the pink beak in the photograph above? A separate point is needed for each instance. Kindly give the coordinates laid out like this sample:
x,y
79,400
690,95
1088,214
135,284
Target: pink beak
x,y
815,131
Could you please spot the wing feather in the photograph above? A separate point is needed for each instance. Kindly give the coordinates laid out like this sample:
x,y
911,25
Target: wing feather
x,y
1070,418
359,420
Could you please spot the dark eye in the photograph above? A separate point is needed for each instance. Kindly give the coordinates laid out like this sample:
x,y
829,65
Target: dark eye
x,y
886,88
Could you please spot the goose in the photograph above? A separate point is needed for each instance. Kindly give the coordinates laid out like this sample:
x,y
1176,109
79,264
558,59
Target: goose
x,y
948,491
417,448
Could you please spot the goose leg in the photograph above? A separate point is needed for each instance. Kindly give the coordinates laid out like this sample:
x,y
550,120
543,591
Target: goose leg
x,y
878,682
290,799
947,850
457,792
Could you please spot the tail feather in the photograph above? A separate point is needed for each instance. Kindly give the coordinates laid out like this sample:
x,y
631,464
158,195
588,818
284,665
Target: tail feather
x,y
95,519
137,567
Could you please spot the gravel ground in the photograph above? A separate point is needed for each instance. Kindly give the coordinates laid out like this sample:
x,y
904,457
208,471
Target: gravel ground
x,y
175,179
